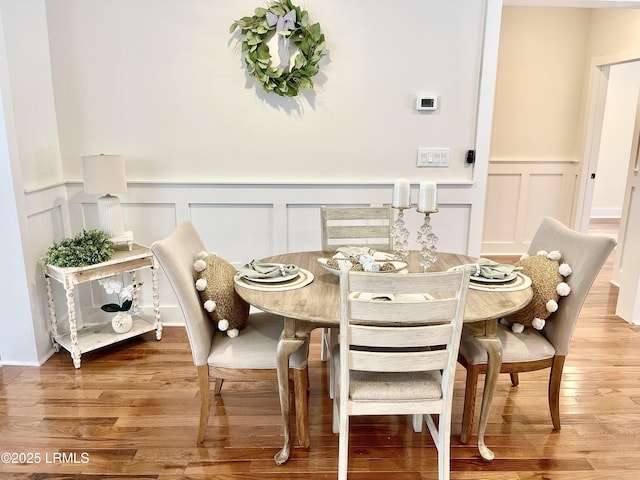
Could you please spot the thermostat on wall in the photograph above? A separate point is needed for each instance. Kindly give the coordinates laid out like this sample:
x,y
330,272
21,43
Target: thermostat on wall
x,y
427,103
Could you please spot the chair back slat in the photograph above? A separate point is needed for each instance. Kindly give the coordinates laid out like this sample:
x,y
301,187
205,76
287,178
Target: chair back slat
x,y
400,337
390,361
380,312
418,283
357,231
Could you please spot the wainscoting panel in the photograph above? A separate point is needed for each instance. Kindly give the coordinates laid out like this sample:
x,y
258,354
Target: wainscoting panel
x,y
235,232
519,196
503,192
239,221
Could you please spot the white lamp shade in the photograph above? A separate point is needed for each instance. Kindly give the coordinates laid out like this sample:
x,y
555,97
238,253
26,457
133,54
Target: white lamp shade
x,y
104,174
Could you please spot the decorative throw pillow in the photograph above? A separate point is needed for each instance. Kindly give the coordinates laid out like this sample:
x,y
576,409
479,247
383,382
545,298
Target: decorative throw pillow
x,y
214,283
547,282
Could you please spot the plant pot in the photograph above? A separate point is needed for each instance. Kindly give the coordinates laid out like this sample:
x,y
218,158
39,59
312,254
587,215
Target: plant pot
x,y
122,322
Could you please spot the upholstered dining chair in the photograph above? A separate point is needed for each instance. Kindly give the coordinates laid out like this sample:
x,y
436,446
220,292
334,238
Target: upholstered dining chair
x,y
399,339
248,357
352,226
533,349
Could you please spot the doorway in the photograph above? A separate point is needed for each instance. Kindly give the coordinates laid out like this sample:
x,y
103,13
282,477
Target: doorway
x,y
615,140
616,84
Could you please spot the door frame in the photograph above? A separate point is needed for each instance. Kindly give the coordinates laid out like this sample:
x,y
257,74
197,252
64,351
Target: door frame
x,y
596,101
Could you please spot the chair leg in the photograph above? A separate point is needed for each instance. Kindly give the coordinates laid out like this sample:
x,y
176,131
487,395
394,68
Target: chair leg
x,y
468,411
335,425
332,340
515,381
444,450
335,421
300,384
343,447
205,400
324,350
555,377
417,422
218,386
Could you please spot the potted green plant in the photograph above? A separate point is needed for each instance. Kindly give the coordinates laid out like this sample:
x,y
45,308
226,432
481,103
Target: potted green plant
x,y
86,248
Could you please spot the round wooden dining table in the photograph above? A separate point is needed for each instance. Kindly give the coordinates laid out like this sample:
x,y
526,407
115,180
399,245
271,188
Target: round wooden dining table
x,y
317,304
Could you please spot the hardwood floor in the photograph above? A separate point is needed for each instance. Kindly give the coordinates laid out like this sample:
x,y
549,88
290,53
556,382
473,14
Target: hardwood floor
x,y
131,412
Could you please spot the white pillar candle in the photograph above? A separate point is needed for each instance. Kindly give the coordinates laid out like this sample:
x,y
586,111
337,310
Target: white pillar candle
x,y
428,199
401,194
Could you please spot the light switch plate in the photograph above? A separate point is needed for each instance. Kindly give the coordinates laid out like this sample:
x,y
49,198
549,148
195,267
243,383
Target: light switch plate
x,y
433,157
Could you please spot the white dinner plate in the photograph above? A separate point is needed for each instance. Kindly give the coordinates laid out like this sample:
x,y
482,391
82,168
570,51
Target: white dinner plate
x,y
479,279
278,279
506,279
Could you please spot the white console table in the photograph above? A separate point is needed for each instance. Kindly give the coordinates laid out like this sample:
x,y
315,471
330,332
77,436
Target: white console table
x,y
92,337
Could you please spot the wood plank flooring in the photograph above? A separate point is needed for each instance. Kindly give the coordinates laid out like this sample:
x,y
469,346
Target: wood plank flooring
x,y
131,412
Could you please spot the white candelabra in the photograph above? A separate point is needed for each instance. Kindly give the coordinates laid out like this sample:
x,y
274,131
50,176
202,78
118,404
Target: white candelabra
x,y
427,240
400,234
401,201
428,205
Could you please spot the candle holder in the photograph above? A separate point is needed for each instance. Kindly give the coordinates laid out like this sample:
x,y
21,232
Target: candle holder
x,y
400,234
428,240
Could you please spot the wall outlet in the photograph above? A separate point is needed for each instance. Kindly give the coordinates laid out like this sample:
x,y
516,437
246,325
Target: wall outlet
x,y
433,157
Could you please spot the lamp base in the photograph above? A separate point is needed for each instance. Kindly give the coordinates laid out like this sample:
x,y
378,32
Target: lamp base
x,y
125,239
110,215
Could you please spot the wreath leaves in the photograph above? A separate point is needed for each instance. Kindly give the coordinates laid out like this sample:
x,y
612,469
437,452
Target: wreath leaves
x,y
309,40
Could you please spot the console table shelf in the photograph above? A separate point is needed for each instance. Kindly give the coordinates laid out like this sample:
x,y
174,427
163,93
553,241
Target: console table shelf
x,y
98,335
94,336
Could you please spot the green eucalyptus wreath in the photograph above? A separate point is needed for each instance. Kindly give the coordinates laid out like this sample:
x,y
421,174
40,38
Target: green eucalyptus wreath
x,y
292,25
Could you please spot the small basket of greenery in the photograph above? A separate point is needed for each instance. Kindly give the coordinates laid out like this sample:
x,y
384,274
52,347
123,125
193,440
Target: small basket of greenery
x,y
87,248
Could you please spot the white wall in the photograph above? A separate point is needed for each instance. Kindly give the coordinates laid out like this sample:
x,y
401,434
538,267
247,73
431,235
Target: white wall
x,y
541,135
615,144
533,162
29,155
16,326
164,84
541,67
34,112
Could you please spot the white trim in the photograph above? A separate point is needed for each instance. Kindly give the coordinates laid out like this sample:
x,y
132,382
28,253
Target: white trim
x,y
484,122
596,101
574,3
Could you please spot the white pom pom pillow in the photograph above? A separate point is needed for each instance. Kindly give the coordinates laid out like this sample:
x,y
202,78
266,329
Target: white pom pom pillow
x,y
214,283
547,273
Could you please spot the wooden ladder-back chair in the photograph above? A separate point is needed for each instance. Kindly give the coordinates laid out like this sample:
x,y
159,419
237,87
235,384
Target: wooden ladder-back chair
x,y
399,339
532,349
356,226
352,226
248,357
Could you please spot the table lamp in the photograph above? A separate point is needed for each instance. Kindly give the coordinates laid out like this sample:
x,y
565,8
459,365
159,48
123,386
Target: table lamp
x,y
105,175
